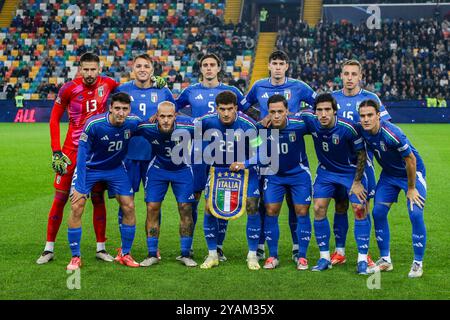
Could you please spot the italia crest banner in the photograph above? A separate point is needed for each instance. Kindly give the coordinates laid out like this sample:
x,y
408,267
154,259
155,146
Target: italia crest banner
x,y
227,193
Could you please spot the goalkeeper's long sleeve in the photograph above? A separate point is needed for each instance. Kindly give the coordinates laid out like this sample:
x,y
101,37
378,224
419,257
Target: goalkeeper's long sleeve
x,y
55,119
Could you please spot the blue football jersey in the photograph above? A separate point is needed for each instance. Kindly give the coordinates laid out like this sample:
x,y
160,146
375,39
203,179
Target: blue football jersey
x,y
231,149
336,147
290,151
348,105
144,103
390,145
163,143
295,91
201,99
102,145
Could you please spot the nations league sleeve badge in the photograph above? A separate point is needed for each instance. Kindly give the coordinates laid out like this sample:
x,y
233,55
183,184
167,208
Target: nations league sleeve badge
x,y
227,193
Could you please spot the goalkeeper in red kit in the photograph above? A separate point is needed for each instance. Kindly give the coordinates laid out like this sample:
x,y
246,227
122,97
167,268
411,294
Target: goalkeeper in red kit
x,y
83,98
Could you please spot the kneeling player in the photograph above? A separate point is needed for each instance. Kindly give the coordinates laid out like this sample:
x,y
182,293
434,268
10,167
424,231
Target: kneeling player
x,y
102,148
227,120
403,169
341,155
293,176
162,171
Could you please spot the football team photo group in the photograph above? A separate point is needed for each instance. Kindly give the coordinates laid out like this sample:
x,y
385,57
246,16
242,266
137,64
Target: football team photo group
x,y
189,181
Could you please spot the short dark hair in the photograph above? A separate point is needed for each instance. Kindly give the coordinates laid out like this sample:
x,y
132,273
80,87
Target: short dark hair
x,y
325,97
212,56
369,103
279,55
89,57
277,98
144,56
121,97
226,97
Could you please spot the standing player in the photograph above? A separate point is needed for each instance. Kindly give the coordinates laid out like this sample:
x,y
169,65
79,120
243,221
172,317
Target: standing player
x,y
228,118
200,98
164,135
82,98
403,169
292,176
348,100
103,145
146,93
296,93
341,155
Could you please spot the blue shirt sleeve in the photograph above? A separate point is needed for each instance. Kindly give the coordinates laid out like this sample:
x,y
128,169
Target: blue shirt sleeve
x,y
183,99
169,97
309,96
84,147
240,99
250,99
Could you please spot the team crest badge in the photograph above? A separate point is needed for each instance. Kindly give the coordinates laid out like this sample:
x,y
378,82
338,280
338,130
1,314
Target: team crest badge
x,y
287,94
335,138
127,134
383,146
228,193
292,136
100,91
154,97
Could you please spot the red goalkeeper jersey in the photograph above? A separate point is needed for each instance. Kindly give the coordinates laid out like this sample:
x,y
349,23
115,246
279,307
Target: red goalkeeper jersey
x,y
82,102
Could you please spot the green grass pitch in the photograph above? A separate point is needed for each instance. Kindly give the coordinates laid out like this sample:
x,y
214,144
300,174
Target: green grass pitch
x,y
26,194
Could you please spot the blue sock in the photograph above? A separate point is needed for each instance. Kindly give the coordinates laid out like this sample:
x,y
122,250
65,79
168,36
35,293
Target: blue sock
x,y
210,229
152,246
340,228
120,217
362,235
293,225
253,231
272,234
262,215
186,243
419,233
195,212
322,233
381,226
127,232
222,229
74,237
303,234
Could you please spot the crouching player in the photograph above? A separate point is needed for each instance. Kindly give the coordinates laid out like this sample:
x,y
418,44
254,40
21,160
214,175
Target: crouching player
x,y
403,169
341,155
230,131
293,176
102,148
166,136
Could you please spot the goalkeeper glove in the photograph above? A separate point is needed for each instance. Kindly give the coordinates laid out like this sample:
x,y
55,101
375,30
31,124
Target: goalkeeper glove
x,y
60,162
158,82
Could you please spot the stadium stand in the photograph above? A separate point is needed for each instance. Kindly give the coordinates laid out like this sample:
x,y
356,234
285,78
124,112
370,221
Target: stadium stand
x,y
377,1
39,51
404,60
